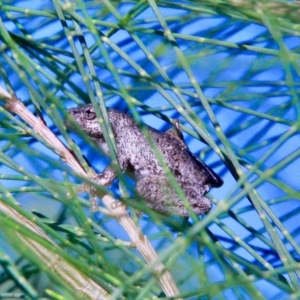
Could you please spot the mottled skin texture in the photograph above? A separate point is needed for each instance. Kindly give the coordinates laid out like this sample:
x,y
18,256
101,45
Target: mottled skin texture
x,y
135,153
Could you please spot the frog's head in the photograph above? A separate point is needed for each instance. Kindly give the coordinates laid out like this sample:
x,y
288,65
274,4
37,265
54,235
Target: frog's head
x,y
86,119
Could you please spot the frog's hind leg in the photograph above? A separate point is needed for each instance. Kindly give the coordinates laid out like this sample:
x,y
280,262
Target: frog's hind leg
x,y
158,193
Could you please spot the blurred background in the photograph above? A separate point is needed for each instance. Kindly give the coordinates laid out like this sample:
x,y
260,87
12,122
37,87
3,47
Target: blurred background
x,y
227,70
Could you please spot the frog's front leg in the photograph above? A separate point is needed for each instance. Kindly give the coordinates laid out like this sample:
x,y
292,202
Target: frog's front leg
x,y
105,178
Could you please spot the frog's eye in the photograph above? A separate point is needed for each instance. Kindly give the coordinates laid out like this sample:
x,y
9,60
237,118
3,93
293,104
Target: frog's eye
x,y
89,113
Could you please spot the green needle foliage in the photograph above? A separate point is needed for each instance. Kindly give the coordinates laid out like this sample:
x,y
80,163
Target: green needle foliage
x,y
227,70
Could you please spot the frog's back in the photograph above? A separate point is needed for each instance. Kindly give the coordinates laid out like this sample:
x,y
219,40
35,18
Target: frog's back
x,y
184,165
132,143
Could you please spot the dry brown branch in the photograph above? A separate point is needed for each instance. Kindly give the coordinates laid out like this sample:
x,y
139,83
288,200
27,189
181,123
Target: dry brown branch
x,y
141,242
84,287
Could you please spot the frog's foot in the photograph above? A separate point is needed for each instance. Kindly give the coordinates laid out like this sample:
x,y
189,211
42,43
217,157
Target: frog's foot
x,y
103,179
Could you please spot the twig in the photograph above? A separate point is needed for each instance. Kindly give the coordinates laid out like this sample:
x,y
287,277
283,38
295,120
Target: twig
x,y
142,244
84,286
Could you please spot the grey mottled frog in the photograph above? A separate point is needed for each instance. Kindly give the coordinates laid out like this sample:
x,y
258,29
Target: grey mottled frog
x,y
134,153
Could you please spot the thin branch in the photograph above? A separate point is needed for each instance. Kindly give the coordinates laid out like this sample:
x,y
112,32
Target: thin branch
x,y
119,212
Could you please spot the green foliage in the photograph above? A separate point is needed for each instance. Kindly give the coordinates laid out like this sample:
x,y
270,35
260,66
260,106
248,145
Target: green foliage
x,y
165,59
